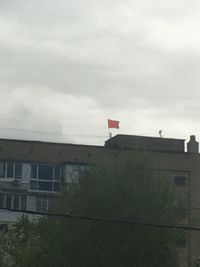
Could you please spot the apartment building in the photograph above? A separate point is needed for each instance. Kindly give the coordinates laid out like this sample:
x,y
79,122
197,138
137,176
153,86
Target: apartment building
x,y
33,174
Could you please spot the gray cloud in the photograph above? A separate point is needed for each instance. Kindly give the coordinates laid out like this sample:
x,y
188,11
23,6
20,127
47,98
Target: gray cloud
x,y
115,57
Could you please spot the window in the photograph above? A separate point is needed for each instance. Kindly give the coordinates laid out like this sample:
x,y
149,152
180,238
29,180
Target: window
x,y
23,202
18,170
56,187
33,171
43,203
33,185
45,178
2,169
14,201
45,186
45,172
8,200
2,203
75,171
57,173
180,180
10,170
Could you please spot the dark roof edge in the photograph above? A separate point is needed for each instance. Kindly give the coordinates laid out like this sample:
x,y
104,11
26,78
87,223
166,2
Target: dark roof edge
x,y
143,136
50,143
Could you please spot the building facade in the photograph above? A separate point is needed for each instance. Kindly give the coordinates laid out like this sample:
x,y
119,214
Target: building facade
x,y
33,174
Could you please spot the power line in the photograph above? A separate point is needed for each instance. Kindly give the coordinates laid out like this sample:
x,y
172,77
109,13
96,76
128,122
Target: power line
x,y
107,220
53,133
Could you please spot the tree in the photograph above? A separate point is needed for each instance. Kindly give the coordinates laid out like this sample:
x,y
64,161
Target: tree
x,y
125,189
16,243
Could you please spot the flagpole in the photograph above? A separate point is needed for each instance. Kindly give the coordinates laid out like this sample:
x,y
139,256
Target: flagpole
x,y
109,133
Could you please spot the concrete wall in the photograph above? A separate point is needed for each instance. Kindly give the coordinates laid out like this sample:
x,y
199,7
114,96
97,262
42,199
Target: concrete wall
x,y
52,153
147,143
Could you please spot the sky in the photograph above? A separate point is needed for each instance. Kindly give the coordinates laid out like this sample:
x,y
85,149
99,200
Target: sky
x,y
68,66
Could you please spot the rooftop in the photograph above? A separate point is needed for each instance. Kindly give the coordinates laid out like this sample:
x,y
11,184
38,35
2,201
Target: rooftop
x,y
146,142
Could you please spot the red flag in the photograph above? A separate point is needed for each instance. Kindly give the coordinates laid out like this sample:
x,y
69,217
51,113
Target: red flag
x,y
113,124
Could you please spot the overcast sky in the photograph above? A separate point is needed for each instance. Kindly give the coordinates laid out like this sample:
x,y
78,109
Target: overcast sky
x,y
67,66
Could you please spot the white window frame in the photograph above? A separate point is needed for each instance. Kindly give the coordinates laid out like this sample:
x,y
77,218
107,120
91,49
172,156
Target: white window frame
x,y
6,170
41,199
12,199
52,181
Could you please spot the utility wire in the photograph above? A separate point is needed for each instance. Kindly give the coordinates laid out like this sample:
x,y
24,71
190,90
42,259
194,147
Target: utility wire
x,y
52,133
107,220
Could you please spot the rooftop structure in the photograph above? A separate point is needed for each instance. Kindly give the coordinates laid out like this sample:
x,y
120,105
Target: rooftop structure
x,y
122,141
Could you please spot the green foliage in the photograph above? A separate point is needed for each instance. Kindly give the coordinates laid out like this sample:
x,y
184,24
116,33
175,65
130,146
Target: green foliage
x,y
126,189
16,243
